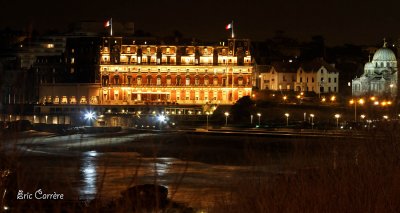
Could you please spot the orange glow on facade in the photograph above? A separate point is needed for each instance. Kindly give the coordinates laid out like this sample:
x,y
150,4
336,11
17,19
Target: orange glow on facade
x,y
164,74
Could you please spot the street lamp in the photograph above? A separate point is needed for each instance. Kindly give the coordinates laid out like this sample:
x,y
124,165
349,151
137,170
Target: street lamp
x,y
361,102
161,119
208,114
251,119
337,116
287,119
385,117
362,117
226,118
391,89
312,121
89,116
259,118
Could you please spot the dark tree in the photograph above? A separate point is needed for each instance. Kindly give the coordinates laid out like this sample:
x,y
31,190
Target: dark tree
x,y
243,109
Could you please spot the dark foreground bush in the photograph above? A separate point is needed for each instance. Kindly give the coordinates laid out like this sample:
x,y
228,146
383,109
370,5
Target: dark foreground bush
x,y
366,181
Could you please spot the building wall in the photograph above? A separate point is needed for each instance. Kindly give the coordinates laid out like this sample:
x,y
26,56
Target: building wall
x,y
168,74
274,80
320,81
69,94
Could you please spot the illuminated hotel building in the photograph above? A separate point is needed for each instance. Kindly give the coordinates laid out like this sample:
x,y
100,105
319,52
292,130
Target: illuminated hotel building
x,y
116,76
146,74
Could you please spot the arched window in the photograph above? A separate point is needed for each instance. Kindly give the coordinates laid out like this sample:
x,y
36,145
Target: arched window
x,y
158,80
148,80
116,79
104,80
187,80
168,80
197,80
240,80
215,81
178,80
206,80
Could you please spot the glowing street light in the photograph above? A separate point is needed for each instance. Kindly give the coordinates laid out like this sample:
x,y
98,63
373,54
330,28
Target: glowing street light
x,y
90,116
287,119
333,98
361,102
312,121
259,118
385,117
161,119
208,114
362,116
226,118
251,119
337,116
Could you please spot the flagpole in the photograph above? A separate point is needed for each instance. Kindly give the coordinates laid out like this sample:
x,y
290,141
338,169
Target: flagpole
x,y
233,35
111,31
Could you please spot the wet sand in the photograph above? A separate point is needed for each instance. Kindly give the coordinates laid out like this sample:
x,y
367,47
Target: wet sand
x,y
195,167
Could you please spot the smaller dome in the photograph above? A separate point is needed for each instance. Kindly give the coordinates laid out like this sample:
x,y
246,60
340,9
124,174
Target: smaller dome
x,y
368,66
384,54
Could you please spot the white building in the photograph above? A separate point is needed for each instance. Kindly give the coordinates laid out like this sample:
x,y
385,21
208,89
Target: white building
x,y
317,76
380,75
278,76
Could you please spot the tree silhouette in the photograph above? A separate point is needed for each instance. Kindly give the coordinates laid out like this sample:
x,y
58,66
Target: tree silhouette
x,y
243,109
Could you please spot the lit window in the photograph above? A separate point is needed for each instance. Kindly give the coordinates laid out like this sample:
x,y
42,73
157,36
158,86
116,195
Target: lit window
x,y
50,46
159,80
215,81
72,100
64,100
168,81
72,60
56,100
187,80
83,100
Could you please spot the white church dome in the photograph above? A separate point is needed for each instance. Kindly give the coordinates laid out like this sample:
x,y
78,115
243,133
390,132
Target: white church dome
x,y
384,54
369,66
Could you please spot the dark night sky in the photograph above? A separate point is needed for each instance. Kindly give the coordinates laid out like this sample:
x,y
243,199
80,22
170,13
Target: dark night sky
x,y
341,21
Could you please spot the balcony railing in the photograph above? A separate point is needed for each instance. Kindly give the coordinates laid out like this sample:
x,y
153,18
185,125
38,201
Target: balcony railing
x,y
176,85
174,64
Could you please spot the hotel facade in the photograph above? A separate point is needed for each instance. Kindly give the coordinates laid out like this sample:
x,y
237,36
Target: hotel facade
x,y
138,76
134,74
